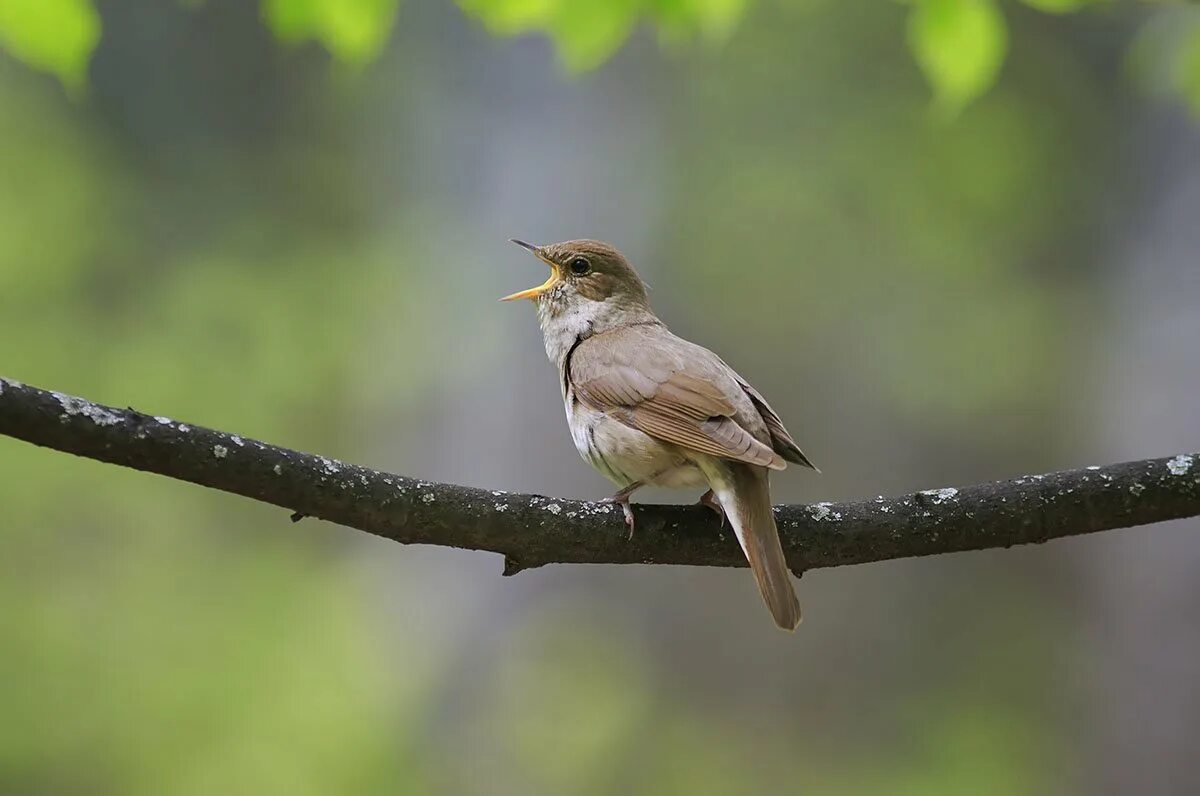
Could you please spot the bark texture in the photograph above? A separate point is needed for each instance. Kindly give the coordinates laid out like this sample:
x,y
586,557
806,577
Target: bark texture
x,y
532,530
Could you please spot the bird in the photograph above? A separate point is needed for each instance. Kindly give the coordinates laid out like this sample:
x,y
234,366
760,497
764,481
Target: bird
x,y
648,408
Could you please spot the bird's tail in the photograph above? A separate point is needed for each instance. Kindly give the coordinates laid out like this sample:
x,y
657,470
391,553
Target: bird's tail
x,y
745,495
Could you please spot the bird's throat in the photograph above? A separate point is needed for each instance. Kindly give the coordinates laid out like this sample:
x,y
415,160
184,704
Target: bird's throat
x,y
574,318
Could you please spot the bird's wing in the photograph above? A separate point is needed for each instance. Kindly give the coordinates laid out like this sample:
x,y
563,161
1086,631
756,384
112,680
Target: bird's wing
x,y
672,390
781,440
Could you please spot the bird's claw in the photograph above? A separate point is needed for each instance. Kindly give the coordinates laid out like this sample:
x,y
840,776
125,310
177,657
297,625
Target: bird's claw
x,y
628,509
623,502
710,500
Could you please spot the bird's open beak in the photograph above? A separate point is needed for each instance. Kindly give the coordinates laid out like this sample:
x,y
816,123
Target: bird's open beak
x,y
549,284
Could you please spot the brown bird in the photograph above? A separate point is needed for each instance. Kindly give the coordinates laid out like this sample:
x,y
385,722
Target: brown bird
x,y
648,408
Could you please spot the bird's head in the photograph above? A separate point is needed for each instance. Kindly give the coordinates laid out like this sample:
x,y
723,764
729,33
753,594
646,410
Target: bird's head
x,y
587,277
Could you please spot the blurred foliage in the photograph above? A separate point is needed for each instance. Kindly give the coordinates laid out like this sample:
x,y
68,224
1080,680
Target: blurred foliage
x,y
352,30
108,678
1059,6
959,45
56,36
1165,56
587,32
565,663
957,213
222,242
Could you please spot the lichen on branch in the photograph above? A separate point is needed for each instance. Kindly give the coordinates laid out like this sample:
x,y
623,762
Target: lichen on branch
x,y
532,530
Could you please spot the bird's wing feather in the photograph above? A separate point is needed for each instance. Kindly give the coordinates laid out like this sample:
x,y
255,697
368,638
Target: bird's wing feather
x,y
781,440
673,391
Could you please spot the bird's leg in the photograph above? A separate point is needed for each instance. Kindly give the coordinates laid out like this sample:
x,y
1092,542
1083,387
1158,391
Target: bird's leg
x,y
710,500
622,500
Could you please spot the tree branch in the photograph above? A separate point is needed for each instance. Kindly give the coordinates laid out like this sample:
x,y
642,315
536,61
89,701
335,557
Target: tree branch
x,y
531,530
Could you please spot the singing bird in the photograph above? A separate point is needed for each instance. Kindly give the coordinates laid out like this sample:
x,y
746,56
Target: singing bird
x,y
648,408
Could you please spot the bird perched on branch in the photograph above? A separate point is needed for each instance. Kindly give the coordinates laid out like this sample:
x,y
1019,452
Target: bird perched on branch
x,y
648,408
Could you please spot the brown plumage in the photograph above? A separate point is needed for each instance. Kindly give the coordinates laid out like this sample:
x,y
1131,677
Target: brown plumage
x,y
672,390
647,407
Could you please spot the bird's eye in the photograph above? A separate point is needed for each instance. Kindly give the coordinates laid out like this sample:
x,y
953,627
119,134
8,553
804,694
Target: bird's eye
x,y
580,266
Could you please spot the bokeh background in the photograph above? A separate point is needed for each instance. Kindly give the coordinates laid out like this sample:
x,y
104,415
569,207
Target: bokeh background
x,y
944,260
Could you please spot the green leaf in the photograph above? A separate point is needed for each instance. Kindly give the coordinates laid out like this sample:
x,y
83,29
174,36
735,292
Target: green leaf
x,y
354,31
960,46
510,17
715,19
588,32
585,32
55,36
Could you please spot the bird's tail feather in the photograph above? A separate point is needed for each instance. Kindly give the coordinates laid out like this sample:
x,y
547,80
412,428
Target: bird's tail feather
x,y
746,498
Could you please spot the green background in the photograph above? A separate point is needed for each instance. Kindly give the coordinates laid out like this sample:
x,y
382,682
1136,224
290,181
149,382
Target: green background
x,y
950,241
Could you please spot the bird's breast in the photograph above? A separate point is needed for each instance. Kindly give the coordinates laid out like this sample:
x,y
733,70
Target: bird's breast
x,y
623,454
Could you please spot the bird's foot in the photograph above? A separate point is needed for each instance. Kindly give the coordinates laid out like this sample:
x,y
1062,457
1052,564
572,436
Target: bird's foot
x,y
710,500
623,502
622,499
628,510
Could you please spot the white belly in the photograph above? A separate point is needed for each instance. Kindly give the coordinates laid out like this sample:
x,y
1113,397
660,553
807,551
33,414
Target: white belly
x,y
625,455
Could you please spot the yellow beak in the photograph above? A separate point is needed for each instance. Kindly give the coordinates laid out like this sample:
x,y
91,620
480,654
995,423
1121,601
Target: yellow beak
x,y
549,284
